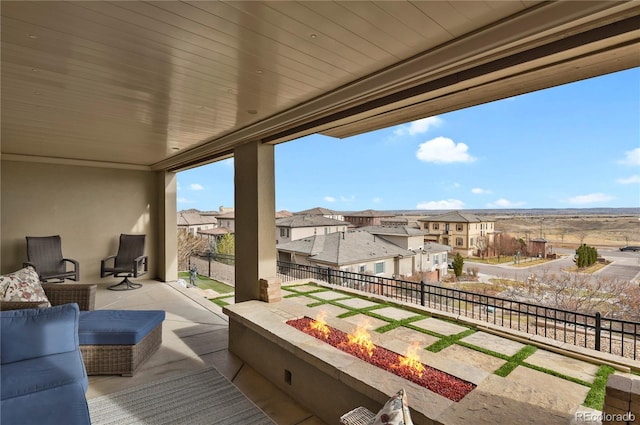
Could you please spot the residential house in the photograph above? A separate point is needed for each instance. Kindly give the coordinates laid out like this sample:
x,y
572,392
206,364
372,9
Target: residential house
x,y
300,226
430,259
227,220
193,221
433,261
367,218
355,251
468,234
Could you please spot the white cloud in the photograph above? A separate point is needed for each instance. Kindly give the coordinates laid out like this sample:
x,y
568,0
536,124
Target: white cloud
x,y
418,127
443,150
480,191
332,199
196,186
589,199
504,203
629,180
445,204
377,200
631,157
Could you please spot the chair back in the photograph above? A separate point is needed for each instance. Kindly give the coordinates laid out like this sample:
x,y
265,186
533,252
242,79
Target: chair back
x,y
45,252
130,248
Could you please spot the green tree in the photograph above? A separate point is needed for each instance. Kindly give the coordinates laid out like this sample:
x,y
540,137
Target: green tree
x,y
586,256
226,245
458,264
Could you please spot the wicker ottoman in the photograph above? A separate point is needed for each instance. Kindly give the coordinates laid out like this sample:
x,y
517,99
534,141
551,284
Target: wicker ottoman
x,y
117,342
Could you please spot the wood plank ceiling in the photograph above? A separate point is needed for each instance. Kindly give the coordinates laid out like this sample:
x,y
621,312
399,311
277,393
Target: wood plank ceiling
x,y
167,84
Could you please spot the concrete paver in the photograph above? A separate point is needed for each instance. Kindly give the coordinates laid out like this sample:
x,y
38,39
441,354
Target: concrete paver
x,y
395,313
494,343
357,303
555,393
467,355
329,295
564,364
441,327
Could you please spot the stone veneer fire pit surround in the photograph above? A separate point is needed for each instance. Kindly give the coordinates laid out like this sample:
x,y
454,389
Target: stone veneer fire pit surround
x,y
326,380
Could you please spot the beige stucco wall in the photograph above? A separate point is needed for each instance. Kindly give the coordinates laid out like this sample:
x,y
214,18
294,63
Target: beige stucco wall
x,y
88,207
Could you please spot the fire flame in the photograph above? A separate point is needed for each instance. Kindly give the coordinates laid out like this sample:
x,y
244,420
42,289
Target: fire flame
x,y
362,340
319,324
412,360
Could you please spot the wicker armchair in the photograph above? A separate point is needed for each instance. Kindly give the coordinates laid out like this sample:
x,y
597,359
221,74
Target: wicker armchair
x,y
84,294
44,254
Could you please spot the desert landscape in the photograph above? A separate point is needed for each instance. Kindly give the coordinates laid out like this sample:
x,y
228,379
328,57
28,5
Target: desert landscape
x,y
561,230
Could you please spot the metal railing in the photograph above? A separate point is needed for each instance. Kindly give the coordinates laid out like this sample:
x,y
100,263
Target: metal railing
x,y
614,336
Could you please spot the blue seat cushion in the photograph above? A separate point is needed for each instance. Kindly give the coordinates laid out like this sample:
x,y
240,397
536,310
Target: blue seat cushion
x,y
42,373
117,327
65,404
38,332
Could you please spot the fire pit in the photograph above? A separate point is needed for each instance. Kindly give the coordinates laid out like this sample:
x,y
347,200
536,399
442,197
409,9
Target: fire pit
x,y
408,367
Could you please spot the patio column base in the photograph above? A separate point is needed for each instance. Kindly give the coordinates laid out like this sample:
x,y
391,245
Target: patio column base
x,y
270,290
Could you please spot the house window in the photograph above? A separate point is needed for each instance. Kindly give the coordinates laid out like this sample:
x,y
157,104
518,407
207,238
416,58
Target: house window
x,y
436,226
458,241
362,269
471,242
436,259
378,267
326,230
459,227
444,258
284,232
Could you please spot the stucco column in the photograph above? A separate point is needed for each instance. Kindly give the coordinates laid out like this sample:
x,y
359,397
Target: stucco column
x,y
167,235
255,219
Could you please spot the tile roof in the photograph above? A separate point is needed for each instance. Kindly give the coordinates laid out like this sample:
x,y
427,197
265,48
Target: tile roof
x,y
345,247
455,217
404,230
193,218
308,221
317,211
369,213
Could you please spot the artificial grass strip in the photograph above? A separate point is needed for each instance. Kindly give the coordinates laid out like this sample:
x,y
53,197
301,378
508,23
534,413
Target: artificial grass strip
x,y
515,360
595,396
399,323
446,341
219,302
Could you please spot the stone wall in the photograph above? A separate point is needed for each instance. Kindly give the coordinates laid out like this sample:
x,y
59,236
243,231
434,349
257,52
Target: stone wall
x,y
622,400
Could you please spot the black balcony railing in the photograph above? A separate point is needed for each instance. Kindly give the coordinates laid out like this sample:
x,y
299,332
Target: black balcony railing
x,y
614,336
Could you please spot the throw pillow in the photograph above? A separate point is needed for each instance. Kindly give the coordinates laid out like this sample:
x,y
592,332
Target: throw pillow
x,y
23,285
395,411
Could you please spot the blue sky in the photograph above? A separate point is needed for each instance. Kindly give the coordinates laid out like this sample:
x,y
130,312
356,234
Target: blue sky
x,y
572,146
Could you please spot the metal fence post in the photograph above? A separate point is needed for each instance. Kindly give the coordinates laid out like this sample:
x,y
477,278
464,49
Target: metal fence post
x,y
422,286
598,329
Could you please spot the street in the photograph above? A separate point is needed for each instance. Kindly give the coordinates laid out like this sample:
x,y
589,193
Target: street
x,y
624,266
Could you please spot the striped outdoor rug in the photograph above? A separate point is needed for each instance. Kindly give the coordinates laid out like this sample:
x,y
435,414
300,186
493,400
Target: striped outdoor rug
x,y
199,397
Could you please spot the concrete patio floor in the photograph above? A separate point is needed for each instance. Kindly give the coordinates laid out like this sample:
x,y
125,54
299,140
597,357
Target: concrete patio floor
x,y
195,336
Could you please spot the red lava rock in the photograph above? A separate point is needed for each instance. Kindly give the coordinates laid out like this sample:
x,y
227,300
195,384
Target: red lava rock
x,y
433,379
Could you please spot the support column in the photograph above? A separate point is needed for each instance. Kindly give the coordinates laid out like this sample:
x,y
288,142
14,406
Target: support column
x,y
255,223
167,234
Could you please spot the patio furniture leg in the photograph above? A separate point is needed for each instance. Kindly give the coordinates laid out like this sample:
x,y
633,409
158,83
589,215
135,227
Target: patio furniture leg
x,y
125,285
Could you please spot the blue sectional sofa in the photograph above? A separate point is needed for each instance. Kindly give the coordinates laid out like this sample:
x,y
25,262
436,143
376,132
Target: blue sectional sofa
x,y
42,375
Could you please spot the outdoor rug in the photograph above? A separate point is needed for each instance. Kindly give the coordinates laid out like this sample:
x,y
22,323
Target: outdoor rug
x,y
198,397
